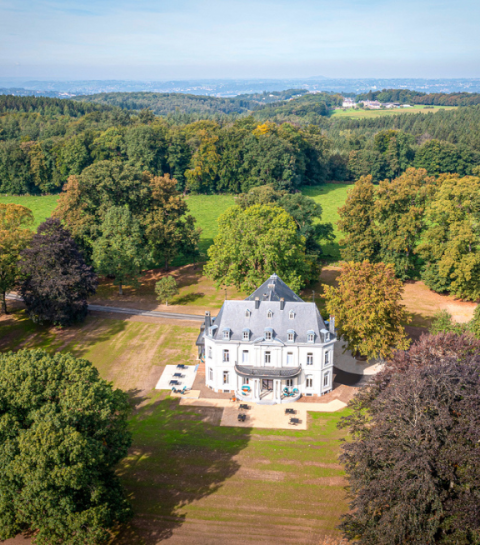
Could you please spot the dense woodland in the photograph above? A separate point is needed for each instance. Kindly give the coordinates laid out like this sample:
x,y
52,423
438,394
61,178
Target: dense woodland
x,y
405,96
286,144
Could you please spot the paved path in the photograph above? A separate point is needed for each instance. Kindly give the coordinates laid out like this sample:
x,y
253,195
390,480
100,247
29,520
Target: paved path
x,y
133,311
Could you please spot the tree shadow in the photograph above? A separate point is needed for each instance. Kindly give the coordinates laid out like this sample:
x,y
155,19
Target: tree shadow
x,y
328,187
188,298
180,455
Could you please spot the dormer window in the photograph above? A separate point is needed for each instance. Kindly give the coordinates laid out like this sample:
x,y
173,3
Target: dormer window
x,y
269,314
291,315
290,335
246,334
247,313
310,336
226,334
268,335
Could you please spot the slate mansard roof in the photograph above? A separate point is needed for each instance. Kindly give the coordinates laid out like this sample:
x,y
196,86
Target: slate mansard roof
x,y
280,300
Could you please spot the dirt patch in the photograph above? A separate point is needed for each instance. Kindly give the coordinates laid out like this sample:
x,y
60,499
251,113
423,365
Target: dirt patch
x,y
328,481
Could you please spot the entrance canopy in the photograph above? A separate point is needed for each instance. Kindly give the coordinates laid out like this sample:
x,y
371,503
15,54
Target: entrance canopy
x,y
267,372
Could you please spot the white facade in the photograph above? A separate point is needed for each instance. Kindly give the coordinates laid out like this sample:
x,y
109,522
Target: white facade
x,y
269,351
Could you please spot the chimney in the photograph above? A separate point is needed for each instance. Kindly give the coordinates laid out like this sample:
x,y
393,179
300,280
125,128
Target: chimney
x,y
208,321
257,302
282,303
331,325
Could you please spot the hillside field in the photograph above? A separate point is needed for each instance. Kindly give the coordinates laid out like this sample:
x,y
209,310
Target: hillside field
x,y
417,108
207,209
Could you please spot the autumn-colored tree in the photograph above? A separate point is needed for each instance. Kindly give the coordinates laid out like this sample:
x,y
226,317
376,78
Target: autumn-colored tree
x,y
357,222
15,235
451,243
413,458
253,244
399,216
367,309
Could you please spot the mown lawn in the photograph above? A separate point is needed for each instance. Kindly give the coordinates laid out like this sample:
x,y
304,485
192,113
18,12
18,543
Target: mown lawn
x,y
188,478
207,208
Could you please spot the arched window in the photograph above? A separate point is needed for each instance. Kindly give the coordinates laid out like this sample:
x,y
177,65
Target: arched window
x,y
270,314
247,313
291,315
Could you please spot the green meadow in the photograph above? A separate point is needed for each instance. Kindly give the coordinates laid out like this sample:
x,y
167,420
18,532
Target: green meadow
x,y
207,208
369,114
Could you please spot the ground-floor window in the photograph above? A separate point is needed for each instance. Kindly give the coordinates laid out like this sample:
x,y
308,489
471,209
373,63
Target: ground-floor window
x,y
245,356
326,379
309,382
226,355
225,377
245,380
210,374
289,381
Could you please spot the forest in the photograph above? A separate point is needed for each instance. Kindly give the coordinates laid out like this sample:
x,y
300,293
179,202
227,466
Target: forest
x,y
285,144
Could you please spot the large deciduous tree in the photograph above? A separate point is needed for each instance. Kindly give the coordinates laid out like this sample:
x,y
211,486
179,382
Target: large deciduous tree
x,y
15,235
63,430
254,243
413,458
451,243
56,281
367,309
119,252
357,222
161,211
400,219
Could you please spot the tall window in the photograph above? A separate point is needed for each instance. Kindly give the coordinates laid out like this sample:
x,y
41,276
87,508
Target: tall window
x,y
289,358
268,335
245,380
226,355
309,382
309,359
210,374
291,337
268,357
247,313
310,337
289,381
210,352
291,315
245,356
225,377
327,358
269,314
226,334
326,379
246,335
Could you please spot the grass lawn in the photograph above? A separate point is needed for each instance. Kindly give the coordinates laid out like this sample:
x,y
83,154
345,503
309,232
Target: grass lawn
x,y
189,479
417,108
206,209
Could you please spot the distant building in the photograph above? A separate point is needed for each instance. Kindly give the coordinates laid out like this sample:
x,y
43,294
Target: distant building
x,y
273,347
372,104
348,103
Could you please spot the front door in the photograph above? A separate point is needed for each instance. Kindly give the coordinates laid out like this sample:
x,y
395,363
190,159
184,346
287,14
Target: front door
x,y
267,384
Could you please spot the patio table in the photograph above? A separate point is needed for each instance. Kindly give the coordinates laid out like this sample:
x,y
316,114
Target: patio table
x,y
241,417
243,406
181,366
178,375
290,411
294,421
174,383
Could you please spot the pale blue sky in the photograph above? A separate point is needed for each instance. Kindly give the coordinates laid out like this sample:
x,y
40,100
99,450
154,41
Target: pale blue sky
x,y
164,39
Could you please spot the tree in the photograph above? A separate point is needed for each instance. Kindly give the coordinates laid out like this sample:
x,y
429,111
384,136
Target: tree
x,y
119,252
400,219
367,309
412,460
253,244
14,237
64,430
357,222
443,322
166,288
56,280
451,243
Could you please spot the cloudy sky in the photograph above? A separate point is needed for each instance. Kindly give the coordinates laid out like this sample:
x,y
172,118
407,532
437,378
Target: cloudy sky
x,y
180,39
